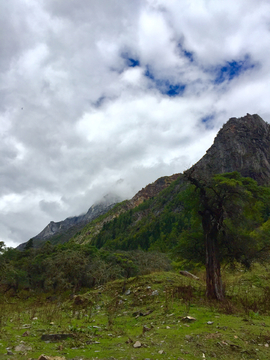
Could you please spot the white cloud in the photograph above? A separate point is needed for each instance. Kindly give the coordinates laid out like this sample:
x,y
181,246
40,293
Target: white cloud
x,y
76,117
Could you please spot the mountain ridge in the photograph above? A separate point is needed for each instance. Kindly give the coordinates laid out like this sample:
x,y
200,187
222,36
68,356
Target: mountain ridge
x,y
242,144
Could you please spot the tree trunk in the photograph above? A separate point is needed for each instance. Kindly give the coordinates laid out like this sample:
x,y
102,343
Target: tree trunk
x,y
214,288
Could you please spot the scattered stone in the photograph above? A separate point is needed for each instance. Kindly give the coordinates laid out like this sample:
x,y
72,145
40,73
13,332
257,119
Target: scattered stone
x,y
188,319
167,327
161,352
154,293
26,326
26,333
9,352
127,292
35,318
266,345
210,322
140,313
188,274
52,323
188,337
137,344
55,337
22,347
145,328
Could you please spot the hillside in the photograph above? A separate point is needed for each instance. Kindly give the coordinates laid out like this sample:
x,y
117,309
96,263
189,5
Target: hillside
x,y
153,214
62,231
157,316
242,145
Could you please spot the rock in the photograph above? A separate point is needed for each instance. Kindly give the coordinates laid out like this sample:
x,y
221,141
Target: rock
x,y
127,292
161,352
140,313
188,319
243,145
137,344
155,293
26,333
55,337
210,322
188,337
9,352
145,328
22,348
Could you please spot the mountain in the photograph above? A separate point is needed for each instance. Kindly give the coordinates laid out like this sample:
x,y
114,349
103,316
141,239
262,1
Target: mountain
x,y
241,145
62,231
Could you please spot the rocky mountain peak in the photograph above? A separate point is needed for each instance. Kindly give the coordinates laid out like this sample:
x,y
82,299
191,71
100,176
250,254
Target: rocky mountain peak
x,y
243,145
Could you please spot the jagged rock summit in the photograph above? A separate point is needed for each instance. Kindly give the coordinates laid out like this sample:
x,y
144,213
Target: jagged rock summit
x,y
243,145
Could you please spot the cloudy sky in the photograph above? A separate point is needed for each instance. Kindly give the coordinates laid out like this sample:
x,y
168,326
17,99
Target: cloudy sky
x,y
101,96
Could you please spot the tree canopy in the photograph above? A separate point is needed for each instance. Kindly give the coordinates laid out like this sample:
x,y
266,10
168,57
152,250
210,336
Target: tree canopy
x,y
225,211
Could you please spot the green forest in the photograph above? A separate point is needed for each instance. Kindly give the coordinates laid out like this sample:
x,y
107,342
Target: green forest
x,y
169,231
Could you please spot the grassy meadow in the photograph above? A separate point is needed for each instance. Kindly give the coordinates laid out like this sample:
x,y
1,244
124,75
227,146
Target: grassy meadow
x,y
163,315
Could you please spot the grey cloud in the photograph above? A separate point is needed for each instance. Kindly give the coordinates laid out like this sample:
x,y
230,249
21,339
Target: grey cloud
x,y
89,119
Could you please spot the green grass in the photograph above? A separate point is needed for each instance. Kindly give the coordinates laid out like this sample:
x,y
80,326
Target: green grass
x,y
107,321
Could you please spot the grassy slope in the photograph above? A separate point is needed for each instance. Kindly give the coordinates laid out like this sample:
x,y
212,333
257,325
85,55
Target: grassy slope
x,y
106,322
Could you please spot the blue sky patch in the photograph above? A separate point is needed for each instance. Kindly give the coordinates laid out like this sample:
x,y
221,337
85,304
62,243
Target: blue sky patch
x,y
173,90
130,61
165,86
133,62
208,121
232,69
186,53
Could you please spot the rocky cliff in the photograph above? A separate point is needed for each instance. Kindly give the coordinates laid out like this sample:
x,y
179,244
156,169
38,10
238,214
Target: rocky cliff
x,y
243,145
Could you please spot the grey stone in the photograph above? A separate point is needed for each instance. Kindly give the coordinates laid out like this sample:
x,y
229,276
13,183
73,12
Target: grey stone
x,y
22,347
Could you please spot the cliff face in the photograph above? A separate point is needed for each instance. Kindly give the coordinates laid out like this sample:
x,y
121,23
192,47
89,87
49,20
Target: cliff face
x,y
243,145
152,190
